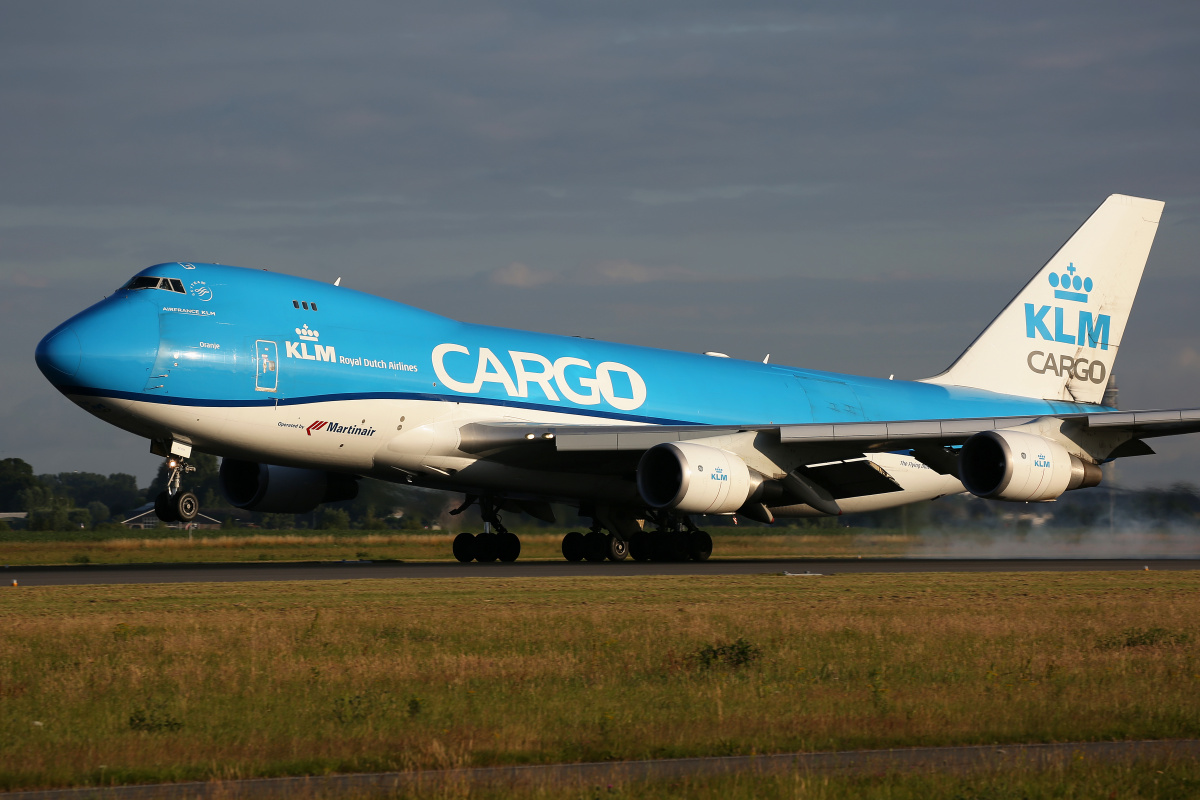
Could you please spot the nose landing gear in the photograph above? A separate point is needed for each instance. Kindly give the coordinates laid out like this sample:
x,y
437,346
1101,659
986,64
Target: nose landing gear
x,y
173,504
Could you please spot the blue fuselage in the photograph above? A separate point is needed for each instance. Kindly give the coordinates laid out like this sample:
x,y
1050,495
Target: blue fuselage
x,y
242,338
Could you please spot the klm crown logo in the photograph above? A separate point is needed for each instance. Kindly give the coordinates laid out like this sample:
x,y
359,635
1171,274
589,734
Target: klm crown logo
x,y
1068,285
308,334
1054,323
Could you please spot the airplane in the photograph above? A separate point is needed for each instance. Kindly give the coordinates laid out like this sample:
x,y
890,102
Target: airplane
x,y
304,388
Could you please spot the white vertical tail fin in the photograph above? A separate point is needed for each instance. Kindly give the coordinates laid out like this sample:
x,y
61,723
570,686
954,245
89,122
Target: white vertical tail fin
x,y
1059,337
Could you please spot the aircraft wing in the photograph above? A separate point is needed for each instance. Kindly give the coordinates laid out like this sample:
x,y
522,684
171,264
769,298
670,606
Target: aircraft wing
x,y
576,445
868,436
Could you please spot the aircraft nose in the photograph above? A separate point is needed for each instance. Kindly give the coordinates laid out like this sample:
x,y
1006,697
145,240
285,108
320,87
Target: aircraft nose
x,y
58,354
111,345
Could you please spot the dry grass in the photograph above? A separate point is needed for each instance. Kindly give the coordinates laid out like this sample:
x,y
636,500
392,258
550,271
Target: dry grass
x,y
135,683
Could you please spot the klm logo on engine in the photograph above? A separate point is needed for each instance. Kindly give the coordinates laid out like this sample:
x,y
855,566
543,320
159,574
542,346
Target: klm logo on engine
x,y
718,474
1082,329
1041,461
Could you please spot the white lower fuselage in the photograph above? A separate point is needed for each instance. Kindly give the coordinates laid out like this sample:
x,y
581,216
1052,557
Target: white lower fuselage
x,y
416,441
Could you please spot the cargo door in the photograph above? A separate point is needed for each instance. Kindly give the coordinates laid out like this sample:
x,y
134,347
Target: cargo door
x,y
266,378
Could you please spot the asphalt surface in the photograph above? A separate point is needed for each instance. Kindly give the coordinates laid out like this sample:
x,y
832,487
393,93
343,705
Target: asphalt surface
x,y
87,574
597,774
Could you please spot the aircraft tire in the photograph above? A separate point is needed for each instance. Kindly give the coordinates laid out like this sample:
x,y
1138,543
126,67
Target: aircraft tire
x,y
508,547
572,546
700,545
639,546
675,546
164,508
464,547
485,548
617,548
595,546
185,506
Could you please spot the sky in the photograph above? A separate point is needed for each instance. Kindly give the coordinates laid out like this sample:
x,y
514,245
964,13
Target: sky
x,y
857,187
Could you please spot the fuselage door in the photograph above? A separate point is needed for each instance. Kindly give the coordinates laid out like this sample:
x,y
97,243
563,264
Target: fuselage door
x,y
266,377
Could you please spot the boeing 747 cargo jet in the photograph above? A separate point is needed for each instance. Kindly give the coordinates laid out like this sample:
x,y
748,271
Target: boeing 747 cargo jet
x,y
303,388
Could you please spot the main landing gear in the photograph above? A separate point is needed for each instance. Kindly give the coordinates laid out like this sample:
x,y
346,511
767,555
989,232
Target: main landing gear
x,y
675,538
496,543
595,545
174,504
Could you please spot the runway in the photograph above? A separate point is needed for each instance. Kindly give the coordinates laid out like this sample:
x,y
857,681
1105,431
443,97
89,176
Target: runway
x,y
590,776
91,574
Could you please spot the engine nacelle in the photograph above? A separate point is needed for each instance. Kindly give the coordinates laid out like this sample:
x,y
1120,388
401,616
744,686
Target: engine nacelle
x,y
1011,465
282,490
694,479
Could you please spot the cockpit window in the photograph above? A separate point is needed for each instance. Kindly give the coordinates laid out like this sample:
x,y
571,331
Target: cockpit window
x,y
150,282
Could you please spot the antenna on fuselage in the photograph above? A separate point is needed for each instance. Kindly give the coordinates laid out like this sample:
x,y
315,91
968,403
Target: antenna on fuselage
x,y
768,358
338,282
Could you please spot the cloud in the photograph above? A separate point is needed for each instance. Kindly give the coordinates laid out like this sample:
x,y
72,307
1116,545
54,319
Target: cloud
x,y
1188,358
621,272
611,272
519,275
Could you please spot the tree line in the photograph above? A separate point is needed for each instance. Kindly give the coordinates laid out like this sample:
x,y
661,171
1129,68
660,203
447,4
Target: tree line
x,y
86,500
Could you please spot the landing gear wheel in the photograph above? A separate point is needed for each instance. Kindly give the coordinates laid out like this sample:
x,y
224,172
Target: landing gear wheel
x,y
700,545
485,547
186,506
572,546
670,546
639,546
508,547
595,546
164,507
464,547
617,548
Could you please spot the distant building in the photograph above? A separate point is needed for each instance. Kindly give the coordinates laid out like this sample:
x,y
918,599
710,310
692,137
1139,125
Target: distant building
x,y
145,517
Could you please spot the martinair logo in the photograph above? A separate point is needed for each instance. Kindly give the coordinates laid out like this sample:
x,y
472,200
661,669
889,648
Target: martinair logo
x,y
1089,330
334,427
300,349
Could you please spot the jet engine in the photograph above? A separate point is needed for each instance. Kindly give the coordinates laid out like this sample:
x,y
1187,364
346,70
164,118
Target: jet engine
x,y
282,490
1011,465
694,479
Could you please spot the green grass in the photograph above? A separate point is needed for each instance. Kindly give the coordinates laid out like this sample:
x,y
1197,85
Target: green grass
x,y
170,682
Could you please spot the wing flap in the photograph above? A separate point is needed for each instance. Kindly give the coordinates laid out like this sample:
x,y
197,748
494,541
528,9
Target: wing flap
x,y
852,478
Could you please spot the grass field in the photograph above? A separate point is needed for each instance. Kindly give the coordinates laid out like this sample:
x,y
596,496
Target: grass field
x,y
148,683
